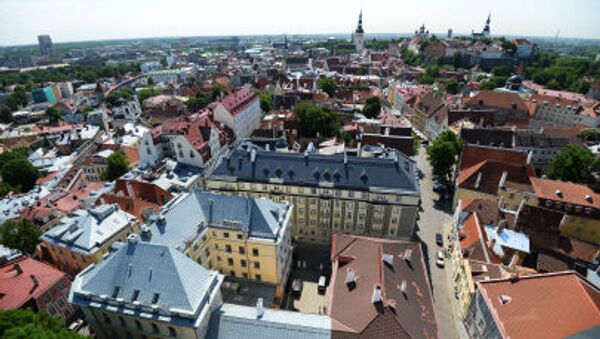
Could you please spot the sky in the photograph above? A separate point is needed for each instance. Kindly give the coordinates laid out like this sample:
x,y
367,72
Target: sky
x,y
76,20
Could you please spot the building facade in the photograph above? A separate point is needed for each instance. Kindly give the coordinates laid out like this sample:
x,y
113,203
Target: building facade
x,y
331,194
239,111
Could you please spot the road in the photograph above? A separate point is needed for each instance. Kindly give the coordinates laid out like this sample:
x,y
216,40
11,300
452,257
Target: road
x,y
436,214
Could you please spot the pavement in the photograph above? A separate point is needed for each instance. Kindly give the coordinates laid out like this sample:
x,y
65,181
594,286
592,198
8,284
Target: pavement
x,y
436,214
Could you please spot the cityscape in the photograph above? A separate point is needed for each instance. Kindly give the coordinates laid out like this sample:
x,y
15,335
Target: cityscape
x,y
302,185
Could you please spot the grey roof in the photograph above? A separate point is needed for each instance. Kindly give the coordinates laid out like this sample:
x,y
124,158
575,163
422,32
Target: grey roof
x,y
231,321
162,275
190,214
317,170
88,230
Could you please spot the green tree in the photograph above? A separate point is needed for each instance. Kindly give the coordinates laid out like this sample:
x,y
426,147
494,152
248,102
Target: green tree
x,y
217,91
572,163
410,58
53,114
494,82
21,235
509,46
20,174
17,324
315,120
372,107
117,166
146,93
501,70
198,102
163,61
443,154
5,188
17,99
5,114
589,135
266,101
328,86
452,86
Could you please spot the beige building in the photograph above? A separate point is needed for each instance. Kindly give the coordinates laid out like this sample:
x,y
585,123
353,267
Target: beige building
x,y
237,236
331,193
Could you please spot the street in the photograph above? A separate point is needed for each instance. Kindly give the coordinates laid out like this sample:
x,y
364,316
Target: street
x,y
433,217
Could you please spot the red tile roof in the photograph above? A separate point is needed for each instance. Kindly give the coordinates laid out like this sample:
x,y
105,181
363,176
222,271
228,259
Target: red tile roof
x,y
474,157
237,101
554,305
502,100
571,193
351,306
17,289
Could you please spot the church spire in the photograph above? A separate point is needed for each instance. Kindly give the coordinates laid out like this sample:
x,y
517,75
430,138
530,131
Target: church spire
x,y
359,29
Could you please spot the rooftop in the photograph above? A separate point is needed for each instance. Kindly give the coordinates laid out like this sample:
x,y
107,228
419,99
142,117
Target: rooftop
x,y
336,171
542,306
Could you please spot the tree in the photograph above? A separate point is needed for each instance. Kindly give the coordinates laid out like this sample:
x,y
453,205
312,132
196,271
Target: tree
x,y
198,102
501,70
315,120
53,114
589,135
20,174
17,99
328,86
15,324
149,92
163,61
117,166
572,163
493,83
266,101
443,154
372,107
217,91
509,46
452,86
5,114
21,235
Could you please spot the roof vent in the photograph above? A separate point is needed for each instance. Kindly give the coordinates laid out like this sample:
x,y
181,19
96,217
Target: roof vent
x,y
392,303
252,155
403,286
478,180
350,276
377,296
363,175
559,193
588,198
407,254
388,259
504,299
18,268
132,238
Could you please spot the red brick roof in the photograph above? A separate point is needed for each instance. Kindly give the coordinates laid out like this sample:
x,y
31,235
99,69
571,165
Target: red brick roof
x,y
136,197
473,157
351,306
17,289
554,305
501,100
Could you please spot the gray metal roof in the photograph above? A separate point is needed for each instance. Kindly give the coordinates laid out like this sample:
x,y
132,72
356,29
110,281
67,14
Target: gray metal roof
x,y
397,173
150,274
232,321
88,230
191,213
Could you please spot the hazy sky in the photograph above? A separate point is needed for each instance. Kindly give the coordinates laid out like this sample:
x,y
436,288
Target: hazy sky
x,y
72,20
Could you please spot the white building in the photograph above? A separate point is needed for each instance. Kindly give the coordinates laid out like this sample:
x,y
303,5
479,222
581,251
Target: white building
x,y
145,290
192,140
239,111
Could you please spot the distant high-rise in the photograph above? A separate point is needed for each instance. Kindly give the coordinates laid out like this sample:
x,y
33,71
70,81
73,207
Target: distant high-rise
x,y
45,44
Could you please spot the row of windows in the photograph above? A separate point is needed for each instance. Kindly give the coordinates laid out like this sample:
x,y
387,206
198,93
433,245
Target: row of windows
x,y
139,326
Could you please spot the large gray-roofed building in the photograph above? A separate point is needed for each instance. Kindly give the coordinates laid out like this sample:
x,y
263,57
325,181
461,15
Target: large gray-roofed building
x,y
394,173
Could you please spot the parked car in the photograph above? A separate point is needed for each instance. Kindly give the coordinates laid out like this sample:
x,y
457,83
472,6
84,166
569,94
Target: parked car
x,y
297,287
439,260
322,286
439,239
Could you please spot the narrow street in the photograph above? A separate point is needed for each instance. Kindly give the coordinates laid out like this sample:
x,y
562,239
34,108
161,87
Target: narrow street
x,y
433,217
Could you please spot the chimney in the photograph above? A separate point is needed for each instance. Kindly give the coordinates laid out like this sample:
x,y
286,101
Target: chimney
x,y
478,180
502,183
35,283
377,296
403,287
17,268
252,155
260,309
529,158
350,276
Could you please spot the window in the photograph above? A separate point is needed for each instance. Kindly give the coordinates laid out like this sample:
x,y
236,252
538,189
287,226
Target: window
x,y
232,273
135,295
138,324
255,252
230,261
245,275
192,154
240,236
172,331
257,265
228,248
258,277
226,234
242,250
155,298
154,328
243,262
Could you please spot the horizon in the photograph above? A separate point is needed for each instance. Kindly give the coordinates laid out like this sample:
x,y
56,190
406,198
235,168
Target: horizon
x,y
68,21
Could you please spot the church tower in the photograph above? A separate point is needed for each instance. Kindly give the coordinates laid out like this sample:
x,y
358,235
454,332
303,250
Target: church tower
x,y
486,29
358,37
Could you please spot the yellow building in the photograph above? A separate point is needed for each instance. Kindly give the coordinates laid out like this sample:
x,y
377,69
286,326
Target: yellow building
x,y
85,236
331,194
238,236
